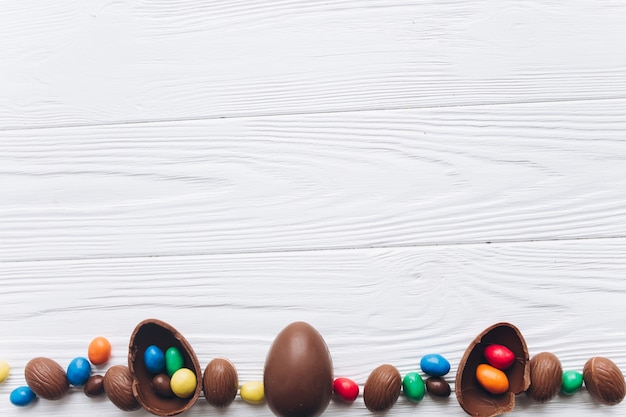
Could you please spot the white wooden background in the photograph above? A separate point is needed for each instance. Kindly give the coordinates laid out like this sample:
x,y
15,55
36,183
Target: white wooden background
x,y
399,173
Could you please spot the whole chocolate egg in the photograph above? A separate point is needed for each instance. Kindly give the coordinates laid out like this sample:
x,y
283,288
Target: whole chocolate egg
x,y
298,375
473,398
604,380
382,388
46,378
220,382
153,332
546,376
118,386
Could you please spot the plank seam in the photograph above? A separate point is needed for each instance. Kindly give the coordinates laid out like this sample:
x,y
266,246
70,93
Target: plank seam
x,y
330,112
329,249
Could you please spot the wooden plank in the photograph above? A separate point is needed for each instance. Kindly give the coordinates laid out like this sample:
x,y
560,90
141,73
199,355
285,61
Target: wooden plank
x,y
68,62
365,179
372,306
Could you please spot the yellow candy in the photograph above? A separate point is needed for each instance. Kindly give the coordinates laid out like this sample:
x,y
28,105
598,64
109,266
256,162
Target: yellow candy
x,y
4,371
183,383
252,392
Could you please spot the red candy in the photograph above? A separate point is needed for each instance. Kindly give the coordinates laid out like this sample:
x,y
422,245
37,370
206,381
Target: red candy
x,y
346,389
499,356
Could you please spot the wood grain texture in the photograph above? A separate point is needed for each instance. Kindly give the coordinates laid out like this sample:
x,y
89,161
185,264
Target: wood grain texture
x,y
71,62
372,306
350,180
231,167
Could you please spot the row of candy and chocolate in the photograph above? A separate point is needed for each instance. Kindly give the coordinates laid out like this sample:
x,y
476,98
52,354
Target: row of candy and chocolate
x,y
164,376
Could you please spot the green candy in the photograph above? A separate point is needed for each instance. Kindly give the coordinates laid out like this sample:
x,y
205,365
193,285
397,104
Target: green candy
x,y
173,360
413,386
572,381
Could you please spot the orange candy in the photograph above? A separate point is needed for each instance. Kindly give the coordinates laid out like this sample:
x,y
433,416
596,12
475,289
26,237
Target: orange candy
x,y
99,350
492,379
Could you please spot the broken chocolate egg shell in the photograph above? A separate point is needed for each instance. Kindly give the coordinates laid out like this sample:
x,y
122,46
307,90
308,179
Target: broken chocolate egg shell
x,y
475,400
158,333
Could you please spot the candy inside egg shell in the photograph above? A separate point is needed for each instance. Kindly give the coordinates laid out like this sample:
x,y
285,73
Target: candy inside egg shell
x,y
473,398
158,333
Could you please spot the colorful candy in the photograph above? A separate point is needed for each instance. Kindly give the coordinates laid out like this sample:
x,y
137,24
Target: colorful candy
x,y
173,360
438,386
170,378
183,383
345,389
78,371
252,392
499,356
22,396
435,365
572,382
413,386
94,386
99,350
161,384
4,371
154,359
492,379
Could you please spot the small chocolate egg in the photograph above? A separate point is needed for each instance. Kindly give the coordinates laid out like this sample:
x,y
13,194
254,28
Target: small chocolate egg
x,y
117,384
298,375
604,380
220,382
46,378
546,376
382,388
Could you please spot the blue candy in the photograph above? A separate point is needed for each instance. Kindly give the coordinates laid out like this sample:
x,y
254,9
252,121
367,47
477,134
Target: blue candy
x,y
22,396
154,359
435,365
78,371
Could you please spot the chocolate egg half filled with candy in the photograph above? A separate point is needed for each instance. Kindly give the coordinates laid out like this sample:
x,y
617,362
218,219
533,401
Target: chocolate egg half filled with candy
x,y
473,398
152,332
298,375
